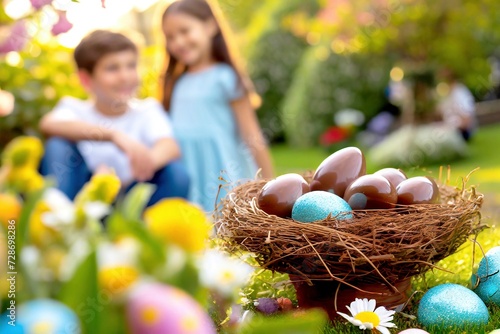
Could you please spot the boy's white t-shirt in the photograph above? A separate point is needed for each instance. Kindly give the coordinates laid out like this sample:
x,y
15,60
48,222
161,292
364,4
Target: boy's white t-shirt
x,y
145,121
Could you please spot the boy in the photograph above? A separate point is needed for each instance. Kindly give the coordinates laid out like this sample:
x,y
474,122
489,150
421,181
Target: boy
x,y
112,131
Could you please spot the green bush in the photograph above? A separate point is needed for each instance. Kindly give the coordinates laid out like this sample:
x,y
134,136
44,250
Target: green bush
x,y
38,78
325,83
272,66
274,52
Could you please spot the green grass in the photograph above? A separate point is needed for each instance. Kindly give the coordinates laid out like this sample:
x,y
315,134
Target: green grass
x,y
459,267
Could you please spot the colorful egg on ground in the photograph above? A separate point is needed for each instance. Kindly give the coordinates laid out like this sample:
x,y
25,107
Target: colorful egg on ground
x,y
278,196
487,278
418,190
371,192
413,331
160,309
393,175
42,316
452,305
339,170
318,205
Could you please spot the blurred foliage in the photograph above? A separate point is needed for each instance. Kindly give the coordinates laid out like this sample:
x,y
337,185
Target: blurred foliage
x,y
38,77
420,34
325,83
272,68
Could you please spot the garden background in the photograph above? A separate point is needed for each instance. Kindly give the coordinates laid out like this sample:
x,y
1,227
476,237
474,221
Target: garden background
x,y
309,59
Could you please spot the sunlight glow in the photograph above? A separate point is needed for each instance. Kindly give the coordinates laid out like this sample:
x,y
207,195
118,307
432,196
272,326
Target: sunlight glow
x,y
397,74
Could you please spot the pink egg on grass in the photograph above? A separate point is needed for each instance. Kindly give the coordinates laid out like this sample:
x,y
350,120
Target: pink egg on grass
x,y
413,331
161,309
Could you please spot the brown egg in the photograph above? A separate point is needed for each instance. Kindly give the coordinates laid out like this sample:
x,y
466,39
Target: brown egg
x,y
418,190
278,196
337,171
371,192
393,175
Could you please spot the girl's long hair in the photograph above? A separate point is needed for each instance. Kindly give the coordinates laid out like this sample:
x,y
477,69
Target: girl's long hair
x,y
201,10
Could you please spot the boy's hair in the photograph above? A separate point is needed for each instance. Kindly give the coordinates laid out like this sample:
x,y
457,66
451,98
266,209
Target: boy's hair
x,y
98,44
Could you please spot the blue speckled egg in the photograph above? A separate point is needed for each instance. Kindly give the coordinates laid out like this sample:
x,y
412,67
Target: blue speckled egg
x,y
451,305
42,316
318,205
489,277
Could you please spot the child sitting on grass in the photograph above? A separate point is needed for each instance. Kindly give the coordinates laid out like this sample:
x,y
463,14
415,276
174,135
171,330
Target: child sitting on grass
x,y
112,130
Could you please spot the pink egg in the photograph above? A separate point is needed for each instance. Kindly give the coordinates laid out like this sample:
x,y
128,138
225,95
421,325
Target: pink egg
x,y
413,331
160,309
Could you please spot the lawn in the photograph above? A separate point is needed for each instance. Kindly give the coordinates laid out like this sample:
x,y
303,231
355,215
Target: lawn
x,y
483,154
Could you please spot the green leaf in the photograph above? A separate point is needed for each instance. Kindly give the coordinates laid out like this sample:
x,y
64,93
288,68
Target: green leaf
x,y
81,293
152,251
22,226
310,322
136,200
187,279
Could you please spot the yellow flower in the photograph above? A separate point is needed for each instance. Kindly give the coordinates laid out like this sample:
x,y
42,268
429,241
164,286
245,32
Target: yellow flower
x,y
100,188
24,179
10,208
178,222
23,152
41,234
116,280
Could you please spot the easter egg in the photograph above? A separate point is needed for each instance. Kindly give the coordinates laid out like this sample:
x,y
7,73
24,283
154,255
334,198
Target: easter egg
x,y
418,190
451,305
393,175
318,205
278,196
42,316
496,331
161,309
413,331
487,277
337,171
371,192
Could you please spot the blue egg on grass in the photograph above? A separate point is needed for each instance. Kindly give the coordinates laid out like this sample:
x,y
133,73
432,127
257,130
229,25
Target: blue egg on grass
x,y
451,305
318,205
42,316
487,277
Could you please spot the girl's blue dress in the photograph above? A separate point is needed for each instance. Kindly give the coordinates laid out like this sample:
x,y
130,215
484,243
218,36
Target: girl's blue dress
x,y
205,127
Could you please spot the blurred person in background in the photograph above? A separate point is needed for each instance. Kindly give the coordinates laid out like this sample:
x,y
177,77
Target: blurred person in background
x,y
210,101
457,108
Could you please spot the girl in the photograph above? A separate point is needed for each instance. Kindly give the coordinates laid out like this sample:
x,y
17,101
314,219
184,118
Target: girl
x,y
209,102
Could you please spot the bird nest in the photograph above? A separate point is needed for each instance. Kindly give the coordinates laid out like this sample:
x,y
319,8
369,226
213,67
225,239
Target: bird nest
x,y
377,246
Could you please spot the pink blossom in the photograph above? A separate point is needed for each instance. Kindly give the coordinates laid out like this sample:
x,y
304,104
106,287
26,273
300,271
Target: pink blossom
x,y
16,39
103,3
62,25
37,4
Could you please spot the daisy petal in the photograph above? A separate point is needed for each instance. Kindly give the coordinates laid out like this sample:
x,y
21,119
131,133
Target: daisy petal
x,y
359,306
356,322
383,330
365,304
371,305
387,324
345,316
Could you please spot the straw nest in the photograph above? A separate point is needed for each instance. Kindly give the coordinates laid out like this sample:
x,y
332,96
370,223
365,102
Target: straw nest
x,y
379,246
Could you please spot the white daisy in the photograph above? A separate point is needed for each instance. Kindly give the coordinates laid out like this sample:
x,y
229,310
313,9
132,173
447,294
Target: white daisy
x,y
223,273
365,316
